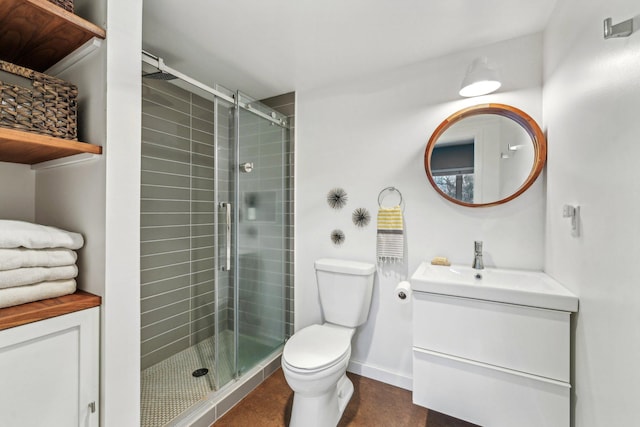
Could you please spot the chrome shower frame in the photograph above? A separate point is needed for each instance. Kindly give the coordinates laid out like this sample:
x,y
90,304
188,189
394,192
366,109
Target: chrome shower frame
x,y
158,63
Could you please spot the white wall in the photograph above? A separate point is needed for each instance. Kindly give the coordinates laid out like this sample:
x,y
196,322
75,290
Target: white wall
x,y
73,197
121,363
591,111
367,134
17,192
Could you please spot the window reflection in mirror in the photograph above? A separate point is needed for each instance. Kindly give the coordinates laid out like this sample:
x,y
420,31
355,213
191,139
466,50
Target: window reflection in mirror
x,y
452,167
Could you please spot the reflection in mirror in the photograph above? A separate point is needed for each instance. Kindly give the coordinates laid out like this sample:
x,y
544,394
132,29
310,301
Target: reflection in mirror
x,y
485,155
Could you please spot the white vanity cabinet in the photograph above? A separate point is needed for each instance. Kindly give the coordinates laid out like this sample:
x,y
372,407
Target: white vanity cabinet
x,y
49,371
492,363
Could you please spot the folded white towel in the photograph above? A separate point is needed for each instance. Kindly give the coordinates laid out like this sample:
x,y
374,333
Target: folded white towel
x,y
21,257
23,294
15,234
32,275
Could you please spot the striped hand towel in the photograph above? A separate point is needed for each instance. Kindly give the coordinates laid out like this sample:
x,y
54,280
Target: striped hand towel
x,y
390,242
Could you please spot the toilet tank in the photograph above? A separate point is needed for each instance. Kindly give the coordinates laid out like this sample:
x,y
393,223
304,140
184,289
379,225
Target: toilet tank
x,y
345,289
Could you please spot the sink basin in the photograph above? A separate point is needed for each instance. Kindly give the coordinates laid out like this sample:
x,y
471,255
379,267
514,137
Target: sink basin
x,y
530,288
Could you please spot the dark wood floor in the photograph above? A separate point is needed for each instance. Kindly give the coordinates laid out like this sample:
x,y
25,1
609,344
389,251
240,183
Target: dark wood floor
x,y
373,404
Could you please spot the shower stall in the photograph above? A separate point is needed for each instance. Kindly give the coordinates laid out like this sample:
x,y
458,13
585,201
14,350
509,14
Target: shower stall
x,y
216,225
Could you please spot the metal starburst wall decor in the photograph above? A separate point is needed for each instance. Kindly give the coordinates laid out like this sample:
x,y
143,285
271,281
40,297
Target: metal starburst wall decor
x,y
337,237
361,217
337,198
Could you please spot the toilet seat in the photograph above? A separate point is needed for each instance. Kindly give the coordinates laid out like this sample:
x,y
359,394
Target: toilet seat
x,y
317,347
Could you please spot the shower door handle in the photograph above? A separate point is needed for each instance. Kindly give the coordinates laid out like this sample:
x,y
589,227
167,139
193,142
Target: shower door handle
x,y
227,262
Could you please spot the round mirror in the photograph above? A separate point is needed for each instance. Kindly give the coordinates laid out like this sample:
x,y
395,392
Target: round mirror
x,y
485,155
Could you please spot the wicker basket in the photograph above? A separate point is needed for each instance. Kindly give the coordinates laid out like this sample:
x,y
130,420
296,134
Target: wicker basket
x,y
65,4
35,102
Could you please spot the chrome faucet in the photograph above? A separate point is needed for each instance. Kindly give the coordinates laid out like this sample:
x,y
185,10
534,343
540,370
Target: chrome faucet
x,y
477,256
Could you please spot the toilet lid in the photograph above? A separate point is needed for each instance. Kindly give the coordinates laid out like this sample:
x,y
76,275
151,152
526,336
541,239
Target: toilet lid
x,y
317,346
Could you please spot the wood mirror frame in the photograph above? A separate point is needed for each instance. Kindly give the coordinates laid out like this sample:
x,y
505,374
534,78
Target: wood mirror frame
x,y
520,117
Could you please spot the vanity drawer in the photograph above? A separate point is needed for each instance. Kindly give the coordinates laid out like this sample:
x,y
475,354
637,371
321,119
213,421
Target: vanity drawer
x,y
516,337
487,395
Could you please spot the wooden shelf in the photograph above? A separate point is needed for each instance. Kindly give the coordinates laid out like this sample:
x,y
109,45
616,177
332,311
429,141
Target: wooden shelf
x,y
31,148
47,308
37,34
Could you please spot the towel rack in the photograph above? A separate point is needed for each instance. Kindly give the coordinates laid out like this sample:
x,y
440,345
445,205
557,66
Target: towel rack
x,y
382,195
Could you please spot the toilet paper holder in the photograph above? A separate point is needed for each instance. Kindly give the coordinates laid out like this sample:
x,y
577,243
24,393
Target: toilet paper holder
x,y
403,292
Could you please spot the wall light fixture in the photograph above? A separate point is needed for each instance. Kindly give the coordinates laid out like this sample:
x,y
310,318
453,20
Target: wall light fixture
x,y
480,79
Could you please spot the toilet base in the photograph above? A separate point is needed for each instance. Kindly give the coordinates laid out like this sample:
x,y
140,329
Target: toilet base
x,y
323,410
345,391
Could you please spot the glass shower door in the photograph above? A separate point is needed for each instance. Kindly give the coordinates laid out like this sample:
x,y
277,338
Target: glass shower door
x,y
260,232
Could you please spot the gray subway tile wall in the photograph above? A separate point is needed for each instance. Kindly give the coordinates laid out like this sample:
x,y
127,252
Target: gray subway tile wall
x,y
259,209
276,237
285,104
177,232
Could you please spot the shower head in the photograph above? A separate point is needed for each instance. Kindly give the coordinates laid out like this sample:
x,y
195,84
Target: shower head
x,y
159,75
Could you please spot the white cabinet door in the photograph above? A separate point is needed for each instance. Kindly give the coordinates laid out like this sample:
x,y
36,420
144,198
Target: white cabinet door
x,y
526,339
49,372
488,395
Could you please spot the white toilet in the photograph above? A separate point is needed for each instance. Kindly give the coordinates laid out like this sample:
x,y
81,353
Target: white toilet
x,y
315,358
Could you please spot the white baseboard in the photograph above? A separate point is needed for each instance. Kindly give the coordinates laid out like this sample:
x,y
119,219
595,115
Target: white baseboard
x,y
381,375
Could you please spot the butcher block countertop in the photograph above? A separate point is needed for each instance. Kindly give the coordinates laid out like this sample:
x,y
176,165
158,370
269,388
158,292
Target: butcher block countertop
x,y
47,308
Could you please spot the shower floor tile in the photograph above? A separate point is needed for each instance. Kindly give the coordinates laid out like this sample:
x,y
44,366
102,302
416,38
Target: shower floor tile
x,y
168,388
